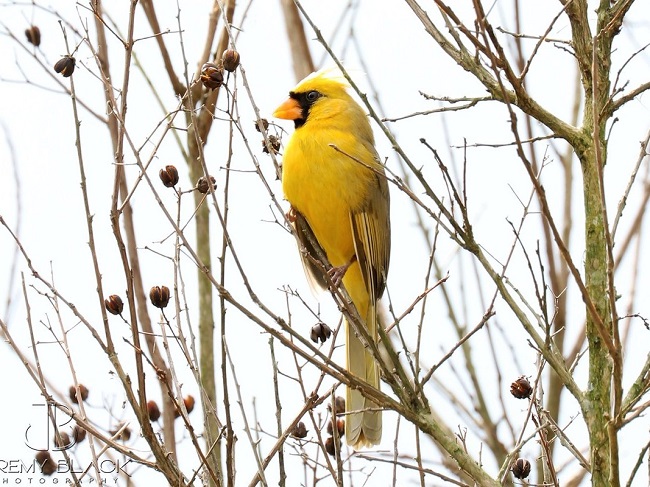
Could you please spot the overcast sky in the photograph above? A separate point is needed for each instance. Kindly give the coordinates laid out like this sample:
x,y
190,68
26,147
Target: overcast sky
x,y
40,172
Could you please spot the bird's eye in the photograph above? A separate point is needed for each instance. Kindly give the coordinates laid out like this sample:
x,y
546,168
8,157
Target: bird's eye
x,y
312,96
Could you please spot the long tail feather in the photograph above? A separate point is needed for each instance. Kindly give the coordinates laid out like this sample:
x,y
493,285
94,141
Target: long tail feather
x,y
362,428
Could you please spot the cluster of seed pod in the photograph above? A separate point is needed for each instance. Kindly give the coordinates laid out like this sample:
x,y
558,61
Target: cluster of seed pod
x,y
154,411
333,442
64,66
212,73
321,332
272,142
331,445
212,77
521,389
83,393
158,295
169,177
63,440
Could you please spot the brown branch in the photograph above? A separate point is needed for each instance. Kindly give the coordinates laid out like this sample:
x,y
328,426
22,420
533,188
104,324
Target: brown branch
x,y
471,102
310,404
518,97
303,63
129,252
150,12
629,96
580,145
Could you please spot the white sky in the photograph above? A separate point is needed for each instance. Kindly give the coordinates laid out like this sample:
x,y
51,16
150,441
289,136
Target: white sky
x,y
400,60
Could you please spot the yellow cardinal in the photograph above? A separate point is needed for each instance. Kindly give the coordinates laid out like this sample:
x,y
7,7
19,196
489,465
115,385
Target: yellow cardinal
x,y
343,197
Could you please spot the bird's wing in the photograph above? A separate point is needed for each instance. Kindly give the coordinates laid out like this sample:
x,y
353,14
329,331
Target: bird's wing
x,y
308,240
371,233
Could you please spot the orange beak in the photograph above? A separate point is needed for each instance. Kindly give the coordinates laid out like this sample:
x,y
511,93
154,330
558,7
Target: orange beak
x,y
289,110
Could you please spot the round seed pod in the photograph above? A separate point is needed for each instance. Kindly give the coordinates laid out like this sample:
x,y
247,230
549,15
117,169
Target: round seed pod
x,y
114,304
521,468
83,391
169,176
45,461
159,296
521,388
65,66
320,331
61,440
230,60
340,427
33,35
299,431
78,433
211,76
329,446
203,186
153,410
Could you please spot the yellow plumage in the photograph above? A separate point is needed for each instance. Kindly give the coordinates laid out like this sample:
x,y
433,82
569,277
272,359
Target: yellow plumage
x,y
343,196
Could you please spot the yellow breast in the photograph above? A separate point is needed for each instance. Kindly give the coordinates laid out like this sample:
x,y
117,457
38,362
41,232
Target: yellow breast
x,y
326,185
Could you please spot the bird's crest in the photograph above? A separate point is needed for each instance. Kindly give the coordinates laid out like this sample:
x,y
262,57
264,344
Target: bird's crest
x,y
332,73
331,78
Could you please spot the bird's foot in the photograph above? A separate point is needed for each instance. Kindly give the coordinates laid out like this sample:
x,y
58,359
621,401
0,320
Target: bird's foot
x,y
291,215
336,273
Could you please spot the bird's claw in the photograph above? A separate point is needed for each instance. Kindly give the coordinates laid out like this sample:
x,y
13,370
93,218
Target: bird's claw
x,y
336,273
291,215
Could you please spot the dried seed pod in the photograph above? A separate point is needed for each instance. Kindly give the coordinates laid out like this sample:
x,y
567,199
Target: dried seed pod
x,y
169,176
78,433
159,296
211,76
521,468
114,304
125,434
329,446
33,35
320,331
62,440
521,388
274,144
230,60
339,406
203,186
340,427
264,122
299,431
153,410
189,403
45,461
65,66
83,391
